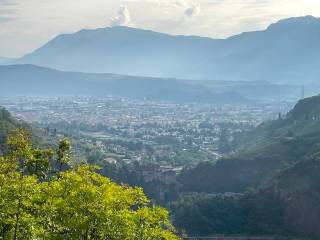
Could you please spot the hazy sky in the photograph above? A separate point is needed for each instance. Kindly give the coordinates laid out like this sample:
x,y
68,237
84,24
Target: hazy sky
x,y
28,24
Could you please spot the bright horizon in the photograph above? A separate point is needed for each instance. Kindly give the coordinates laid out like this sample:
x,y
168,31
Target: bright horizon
x,y
27,25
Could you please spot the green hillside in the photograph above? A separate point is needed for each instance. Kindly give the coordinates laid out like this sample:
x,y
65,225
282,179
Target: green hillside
x,y
7,124
264,152
276,176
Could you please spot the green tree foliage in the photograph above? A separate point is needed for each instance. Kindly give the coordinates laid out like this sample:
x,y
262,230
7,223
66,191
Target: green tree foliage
x,y
63,153
204,214
209,214
39,201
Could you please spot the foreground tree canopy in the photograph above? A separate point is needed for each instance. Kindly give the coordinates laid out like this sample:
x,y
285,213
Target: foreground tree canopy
x,y
38,200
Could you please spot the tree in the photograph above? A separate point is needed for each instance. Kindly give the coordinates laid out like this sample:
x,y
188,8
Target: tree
x,y
224,143
77,203
63,153
22,159
87,205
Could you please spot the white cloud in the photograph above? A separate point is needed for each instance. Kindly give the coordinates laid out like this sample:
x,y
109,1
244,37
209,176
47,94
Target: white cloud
x,y
179,3
123,18
192,11
163,3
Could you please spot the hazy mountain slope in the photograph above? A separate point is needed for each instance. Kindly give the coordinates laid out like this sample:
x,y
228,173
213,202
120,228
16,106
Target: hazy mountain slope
x,y
259,90
33,80
5,61
302,122
122,50
285,52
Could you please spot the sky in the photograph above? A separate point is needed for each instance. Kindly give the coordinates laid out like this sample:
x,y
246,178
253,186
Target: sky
x,y
28,24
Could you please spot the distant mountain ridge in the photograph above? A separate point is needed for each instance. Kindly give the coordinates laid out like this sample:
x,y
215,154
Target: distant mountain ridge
x,y
6,61
120,50
34,80
286,52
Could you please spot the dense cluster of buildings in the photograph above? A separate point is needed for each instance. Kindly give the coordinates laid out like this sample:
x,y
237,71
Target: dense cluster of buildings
x,y
138,130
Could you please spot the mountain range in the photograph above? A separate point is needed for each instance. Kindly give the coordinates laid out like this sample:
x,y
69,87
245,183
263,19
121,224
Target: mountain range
x,y
34,80
286,52
41,81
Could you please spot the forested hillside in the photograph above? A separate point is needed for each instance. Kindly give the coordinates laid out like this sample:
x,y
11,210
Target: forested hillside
x,y
276,178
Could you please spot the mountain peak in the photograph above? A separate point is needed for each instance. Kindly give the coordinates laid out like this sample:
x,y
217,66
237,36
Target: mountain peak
x,y
296,22
116,28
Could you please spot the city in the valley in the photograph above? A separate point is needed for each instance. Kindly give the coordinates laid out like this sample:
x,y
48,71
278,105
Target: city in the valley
x,y
124,130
